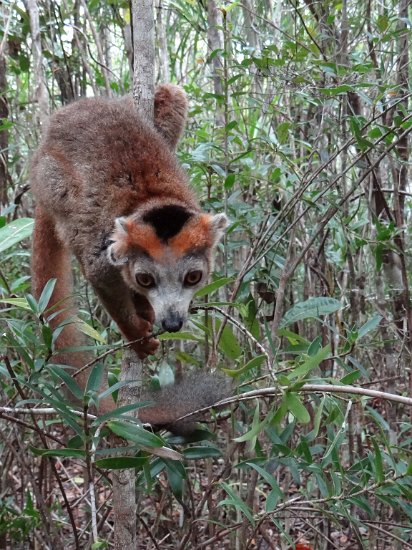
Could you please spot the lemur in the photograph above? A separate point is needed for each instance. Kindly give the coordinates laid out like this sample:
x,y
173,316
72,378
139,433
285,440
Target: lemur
x,y
109,189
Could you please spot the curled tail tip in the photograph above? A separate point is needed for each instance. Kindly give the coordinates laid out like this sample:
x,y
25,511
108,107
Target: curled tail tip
x,y
171,93
171,108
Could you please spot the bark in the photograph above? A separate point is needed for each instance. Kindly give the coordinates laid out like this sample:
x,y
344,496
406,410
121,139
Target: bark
x,y
164,61
124,482
143,56
124,490
40,89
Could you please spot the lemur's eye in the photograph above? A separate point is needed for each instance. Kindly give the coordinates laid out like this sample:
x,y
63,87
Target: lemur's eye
x,y
192,278
145,280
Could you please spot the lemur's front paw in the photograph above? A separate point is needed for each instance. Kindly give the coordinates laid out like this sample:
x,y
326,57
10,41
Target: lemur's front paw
x,y
149,345
146,347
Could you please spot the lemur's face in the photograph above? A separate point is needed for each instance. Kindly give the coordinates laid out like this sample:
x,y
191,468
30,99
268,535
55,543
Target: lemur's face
x,y
167,255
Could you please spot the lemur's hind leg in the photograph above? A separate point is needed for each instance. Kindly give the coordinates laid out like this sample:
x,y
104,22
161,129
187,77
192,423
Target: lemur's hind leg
x,y
52,260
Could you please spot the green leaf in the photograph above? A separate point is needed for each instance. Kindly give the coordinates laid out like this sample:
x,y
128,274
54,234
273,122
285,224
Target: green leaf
x,y
382,22
116,386
47,334
176,478
89,331
230,181
68,380
377,461
99,544
271,501
195,453
179,336
253,363
343,88
20,303
337,440
282,132
117,413
32,302
95,379
293,338
236,501
74,453
370,325
351,377
296,407
228,342
15,232
310,363
313,307
315,346
267,477
208,289
46,295
135,433
165,375
257,427
316,424
122,462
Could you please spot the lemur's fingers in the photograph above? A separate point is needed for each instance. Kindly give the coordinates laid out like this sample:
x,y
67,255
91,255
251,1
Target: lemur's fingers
x,y
147,347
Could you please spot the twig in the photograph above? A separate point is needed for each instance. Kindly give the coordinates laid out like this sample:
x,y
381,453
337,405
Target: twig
x,y
237,324
388,533
42,411
324,388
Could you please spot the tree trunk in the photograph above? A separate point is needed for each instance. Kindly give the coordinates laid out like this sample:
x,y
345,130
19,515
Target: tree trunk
x,y
143,57
124,482
163,54
124,488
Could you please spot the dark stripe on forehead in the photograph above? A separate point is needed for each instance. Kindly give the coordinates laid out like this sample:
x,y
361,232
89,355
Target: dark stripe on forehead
x,y
168,220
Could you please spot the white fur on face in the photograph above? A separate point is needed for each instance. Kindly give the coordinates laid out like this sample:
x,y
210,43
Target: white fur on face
x,y
170,297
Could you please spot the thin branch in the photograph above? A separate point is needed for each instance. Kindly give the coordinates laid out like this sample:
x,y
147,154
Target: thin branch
x,y
42,412
306,388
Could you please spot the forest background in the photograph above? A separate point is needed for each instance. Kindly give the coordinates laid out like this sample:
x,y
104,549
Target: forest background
x,y
299,129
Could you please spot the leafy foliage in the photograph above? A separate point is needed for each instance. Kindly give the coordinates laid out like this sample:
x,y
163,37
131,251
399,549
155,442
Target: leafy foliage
x,y
298,128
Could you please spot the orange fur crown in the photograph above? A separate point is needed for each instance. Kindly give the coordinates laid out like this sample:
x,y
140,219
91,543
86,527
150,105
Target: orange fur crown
x,y
169,228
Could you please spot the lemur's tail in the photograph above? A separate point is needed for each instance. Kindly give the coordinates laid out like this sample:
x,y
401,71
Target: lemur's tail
x,y
195,391
52,260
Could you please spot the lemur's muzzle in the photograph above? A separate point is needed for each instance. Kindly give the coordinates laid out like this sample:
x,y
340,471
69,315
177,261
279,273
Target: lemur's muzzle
x,y
173,322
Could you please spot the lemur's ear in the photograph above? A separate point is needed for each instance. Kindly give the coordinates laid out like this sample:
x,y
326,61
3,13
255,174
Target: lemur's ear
x,y
218,226
170,110
116,251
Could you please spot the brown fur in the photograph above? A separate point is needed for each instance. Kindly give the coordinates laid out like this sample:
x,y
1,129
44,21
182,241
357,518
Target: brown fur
x,y
99,161
171,109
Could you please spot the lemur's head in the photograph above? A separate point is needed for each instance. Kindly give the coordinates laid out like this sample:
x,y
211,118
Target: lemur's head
x,y
165,253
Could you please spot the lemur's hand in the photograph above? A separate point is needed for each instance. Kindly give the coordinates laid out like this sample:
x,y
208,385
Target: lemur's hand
x,y
145,314
149,345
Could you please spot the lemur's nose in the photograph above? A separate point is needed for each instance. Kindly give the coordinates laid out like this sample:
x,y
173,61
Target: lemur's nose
x,y
173,323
